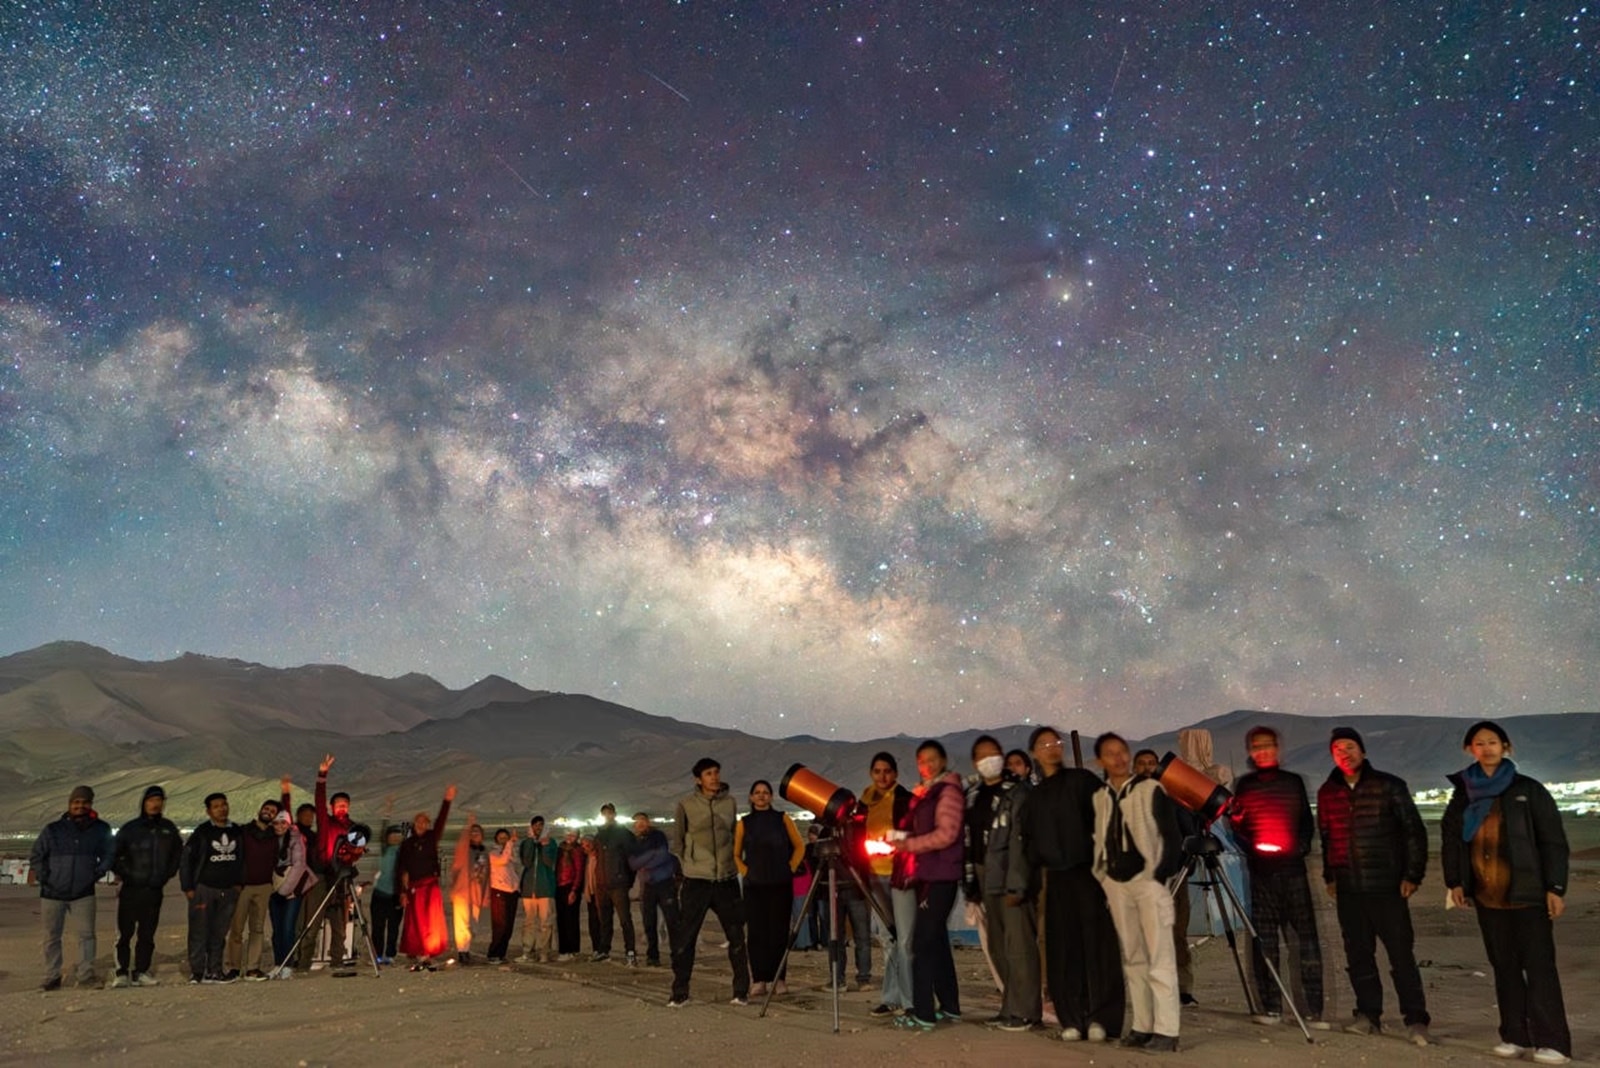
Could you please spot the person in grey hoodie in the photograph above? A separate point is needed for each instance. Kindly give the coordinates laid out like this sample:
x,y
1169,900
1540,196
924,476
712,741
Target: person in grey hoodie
x,y
68,858
702,841
147,852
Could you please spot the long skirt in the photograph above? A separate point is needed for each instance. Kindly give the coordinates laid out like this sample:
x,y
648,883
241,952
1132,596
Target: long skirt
x,y
423,934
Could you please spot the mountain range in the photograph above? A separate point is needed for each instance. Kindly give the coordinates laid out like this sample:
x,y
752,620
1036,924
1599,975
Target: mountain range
x,y
74,713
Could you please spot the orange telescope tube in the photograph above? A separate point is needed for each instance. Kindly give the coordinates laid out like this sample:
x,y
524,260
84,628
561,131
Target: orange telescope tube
x,y
804,787
1190,788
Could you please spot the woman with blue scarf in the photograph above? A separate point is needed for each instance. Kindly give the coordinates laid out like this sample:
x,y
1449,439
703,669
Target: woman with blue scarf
x,y
1505,853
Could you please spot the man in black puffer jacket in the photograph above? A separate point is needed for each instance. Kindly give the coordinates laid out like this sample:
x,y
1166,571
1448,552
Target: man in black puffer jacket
x,y
148,848
1374,853
68,858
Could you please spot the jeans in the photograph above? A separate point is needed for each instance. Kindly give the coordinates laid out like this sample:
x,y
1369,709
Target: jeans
x,y
897,952
285,915
614,902
79,915
210,916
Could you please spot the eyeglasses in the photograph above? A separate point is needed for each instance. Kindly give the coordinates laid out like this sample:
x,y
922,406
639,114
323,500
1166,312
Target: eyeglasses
x,y
1049,745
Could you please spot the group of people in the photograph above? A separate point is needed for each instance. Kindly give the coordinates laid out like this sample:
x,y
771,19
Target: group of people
x,y
1090,860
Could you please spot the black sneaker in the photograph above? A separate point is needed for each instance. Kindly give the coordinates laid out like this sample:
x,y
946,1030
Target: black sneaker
x,y
50,984
1187,998
598,956
231,975
883,1008
1136,1039
1015,1023
1162,1044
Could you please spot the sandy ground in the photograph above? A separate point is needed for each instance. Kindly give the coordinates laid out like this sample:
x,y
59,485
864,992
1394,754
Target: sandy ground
x,y
583,1013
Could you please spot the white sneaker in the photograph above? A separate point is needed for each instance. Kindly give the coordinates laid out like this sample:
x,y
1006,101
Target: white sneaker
x,y
1507,1049
117,981
145,979
1546,1055
524,959
1267,1019
1071,1034
1096,1033
739,1001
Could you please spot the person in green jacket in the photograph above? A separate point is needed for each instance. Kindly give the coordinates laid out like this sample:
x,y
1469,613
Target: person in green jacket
x,y
537,853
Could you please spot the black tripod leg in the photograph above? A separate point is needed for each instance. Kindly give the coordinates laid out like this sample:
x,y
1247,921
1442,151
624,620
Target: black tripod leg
x,y
1214,882
365,929
312,929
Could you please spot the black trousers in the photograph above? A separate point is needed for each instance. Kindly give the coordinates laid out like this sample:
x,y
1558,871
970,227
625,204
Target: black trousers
x,y
1363,920
210,916
503,908
933,966
659,897
1083,959
695,898
766,917
614,902
568,906
1522,948
387,912
1281,900
138,912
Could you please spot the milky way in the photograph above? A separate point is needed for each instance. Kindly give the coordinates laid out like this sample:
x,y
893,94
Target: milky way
x,y
845,370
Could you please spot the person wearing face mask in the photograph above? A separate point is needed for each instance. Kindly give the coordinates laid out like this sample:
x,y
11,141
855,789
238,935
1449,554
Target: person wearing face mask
x,y
996,881
932,845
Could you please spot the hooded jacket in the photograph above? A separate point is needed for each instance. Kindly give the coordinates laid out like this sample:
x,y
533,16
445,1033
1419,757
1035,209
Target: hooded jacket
x,y
148,849
1532,841
1004,869
71,855
702,835
1372,835
1151,821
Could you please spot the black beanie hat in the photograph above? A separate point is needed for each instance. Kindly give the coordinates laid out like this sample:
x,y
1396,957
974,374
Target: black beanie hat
x,y
1348,734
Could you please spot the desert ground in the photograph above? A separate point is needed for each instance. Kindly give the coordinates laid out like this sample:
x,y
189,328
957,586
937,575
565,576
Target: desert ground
x,y
585,1014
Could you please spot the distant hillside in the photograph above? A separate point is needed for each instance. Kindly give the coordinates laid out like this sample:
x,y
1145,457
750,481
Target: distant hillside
x,y
73,713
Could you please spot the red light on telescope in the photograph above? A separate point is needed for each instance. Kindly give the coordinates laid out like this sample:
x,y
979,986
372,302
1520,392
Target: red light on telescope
x,y
1268,847
877,847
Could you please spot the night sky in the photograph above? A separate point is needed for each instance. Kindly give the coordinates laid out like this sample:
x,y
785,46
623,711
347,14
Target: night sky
x,y
843,369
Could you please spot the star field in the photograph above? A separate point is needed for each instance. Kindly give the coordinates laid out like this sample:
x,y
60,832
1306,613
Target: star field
x,y
841,369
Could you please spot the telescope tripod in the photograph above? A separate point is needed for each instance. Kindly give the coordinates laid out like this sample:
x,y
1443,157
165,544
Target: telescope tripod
x,y
343,885
830,853
1204,849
